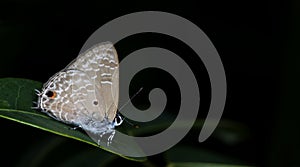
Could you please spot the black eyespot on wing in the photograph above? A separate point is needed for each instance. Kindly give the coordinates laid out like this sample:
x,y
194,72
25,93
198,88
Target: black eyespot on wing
x,y
50,93
95,102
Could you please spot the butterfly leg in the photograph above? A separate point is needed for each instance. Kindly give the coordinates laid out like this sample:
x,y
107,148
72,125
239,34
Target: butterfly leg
x,y
75,127
111,136
100,136
98,141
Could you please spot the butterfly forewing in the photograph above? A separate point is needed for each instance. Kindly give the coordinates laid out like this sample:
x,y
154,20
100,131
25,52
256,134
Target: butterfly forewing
x,y
86,99
101,64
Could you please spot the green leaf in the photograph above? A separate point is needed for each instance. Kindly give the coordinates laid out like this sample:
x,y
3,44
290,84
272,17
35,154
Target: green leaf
x,y
64,153
16,100
197,164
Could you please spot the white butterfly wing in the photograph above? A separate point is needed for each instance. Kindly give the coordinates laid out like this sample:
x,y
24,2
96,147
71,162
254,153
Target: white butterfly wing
x,y
100,65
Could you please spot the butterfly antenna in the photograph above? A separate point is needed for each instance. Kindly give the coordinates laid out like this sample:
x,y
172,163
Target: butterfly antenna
x,y
130,123
131,98
124,119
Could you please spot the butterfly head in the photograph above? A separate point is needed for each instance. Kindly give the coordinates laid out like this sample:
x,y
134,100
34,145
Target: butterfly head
x,y
118,120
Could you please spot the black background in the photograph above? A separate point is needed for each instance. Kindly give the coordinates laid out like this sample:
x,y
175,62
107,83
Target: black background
x,y
256,41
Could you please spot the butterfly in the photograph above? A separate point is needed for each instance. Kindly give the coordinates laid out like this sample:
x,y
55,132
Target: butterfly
x,y
86,92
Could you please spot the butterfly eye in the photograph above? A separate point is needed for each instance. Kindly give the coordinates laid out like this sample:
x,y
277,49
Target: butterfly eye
x,y
51,94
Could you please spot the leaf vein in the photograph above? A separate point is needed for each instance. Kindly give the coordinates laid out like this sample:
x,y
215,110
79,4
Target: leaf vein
x,y
18,96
